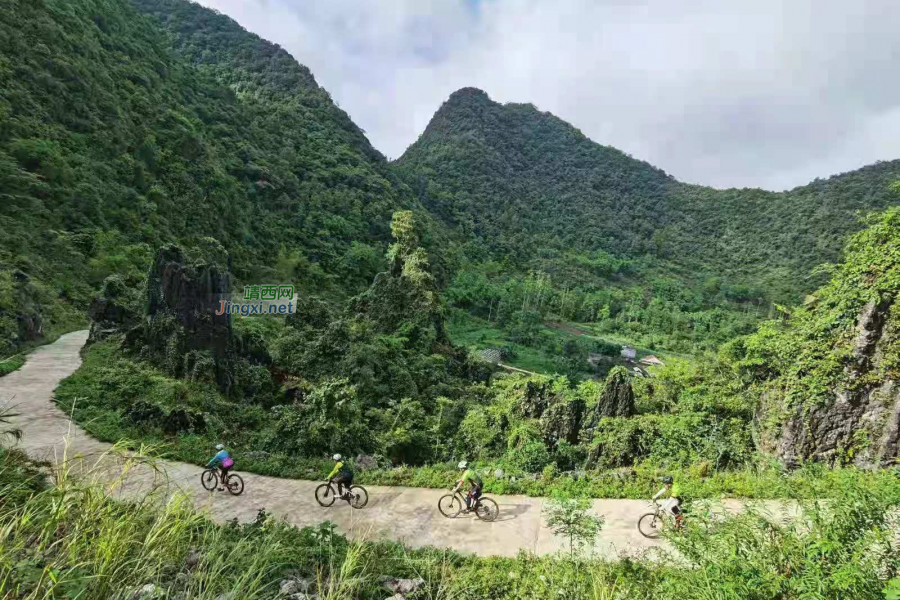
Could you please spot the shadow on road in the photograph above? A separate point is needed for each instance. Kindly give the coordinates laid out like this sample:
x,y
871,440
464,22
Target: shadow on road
x,y
508,512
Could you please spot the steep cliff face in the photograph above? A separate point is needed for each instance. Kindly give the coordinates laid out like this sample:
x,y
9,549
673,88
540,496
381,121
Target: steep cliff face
x,y
830,374
862,423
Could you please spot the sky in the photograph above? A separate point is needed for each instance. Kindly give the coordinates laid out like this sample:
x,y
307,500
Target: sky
x,y
736,93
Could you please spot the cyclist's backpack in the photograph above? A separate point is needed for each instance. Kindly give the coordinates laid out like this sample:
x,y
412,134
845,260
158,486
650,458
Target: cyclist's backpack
x,y
227,463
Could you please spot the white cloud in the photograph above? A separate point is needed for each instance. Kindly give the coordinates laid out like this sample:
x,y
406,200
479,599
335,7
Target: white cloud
x,y
740,93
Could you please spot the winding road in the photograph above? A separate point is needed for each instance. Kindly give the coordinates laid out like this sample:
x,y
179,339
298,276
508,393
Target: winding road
x,y
407,515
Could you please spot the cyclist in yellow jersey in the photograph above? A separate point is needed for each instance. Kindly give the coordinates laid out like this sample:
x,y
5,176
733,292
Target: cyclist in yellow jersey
x,y
475,481
342,475
673,505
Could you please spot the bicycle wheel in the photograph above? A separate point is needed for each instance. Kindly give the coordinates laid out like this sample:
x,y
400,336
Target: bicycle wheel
x,y
325,495
209,480
359,497
450,505
235,485
487,509
650,525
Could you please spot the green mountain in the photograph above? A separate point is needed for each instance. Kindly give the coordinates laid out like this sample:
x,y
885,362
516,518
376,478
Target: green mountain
x,y
528,188
125,126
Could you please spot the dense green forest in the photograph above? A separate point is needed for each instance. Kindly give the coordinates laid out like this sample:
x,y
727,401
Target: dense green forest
x,y
135,125
119,134
127,125
598,236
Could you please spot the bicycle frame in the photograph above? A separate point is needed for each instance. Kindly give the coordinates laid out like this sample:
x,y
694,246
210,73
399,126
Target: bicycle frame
x,y
468,496
667,517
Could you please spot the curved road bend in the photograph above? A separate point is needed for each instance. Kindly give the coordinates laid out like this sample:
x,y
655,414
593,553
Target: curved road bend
x,y
407,515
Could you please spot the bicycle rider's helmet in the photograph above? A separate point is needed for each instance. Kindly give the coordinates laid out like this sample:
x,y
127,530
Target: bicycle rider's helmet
x,y
336,457
220,447
463,464
668,479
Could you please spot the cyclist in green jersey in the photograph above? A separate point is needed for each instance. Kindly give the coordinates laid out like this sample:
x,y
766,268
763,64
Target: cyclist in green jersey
x,y
342,475
475,481
673,505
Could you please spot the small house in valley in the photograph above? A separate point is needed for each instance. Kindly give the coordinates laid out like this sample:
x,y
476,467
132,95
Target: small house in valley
x,y
651,361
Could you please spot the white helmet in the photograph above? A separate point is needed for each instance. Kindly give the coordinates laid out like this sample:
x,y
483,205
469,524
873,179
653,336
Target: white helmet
x,y
220,447
336,457
463,464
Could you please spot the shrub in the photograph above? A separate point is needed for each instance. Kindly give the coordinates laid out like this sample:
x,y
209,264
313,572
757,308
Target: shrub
x,y
532,456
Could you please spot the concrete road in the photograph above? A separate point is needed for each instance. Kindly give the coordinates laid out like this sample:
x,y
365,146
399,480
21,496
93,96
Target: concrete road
x,y
408,515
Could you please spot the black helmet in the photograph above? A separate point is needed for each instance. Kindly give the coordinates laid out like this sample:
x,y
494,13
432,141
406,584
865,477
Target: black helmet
x,y
668,479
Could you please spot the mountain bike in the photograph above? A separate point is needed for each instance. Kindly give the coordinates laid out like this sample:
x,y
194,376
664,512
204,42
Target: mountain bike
x,y
356,495
209,479
651,524
452,504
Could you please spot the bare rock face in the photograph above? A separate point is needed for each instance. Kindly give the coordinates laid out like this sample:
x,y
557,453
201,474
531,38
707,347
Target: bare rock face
x,y
562,420
181,330
364,462
401,587
862,424
534,399
189,294
616,400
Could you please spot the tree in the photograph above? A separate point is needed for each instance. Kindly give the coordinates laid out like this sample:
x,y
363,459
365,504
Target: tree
x,y
569,517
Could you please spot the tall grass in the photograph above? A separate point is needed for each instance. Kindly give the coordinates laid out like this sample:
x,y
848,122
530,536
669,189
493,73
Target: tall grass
x,y
72,539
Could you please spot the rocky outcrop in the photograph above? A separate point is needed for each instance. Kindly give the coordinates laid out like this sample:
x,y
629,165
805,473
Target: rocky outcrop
x,y
113,311
188,294
616,400
401,587
862,424
562,420
534,399
181,330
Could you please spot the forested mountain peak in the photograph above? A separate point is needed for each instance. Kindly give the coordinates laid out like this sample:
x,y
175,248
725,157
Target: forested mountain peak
x,y
522,183
529,137
246,63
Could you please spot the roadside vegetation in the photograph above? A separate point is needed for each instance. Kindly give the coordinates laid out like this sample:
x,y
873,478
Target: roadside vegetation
x,y
63,537
13,363
381,378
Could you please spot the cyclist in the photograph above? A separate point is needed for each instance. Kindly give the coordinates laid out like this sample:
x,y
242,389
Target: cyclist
x,y
225,463
476,482
341,474
673,504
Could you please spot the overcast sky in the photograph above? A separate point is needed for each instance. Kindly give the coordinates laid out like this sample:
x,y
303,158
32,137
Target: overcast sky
x,y
764,93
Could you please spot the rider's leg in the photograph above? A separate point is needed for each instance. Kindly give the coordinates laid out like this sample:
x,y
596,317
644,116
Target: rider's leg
x,y
223,477
476,495
341,481
676,510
